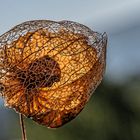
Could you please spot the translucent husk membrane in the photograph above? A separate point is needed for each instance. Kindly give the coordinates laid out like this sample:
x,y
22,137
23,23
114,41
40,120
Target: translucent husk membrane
x,y
48,70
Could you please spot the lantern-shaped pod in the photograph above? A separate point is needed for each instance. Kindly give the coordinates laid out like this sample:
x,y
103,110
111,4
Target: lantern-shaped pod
x,y
48,70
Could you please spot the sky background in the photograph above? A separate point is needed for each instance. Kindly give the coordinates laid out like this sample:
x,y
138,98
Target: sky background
x,y
120,19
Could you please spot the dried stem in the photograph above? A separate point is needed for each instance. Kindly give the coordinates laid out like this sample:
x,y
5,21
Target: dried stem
x,y
23,130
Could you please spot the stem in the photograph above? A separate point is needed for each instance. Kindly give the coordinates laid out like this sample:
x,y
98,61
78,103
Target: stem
x,y
23,130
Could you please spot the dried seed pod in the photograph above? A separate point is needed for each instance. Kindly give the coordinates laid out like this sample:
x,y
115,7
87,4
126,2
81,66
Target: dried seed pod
x,y
48,70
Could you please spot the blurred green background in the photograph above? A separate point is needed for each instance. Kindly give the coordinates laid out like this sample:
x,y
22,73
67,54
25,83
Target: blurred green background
x,y
113,112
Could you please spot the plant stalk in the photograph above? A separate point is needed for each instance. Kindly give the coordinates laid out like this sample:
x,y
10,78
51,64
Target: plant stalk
x,y
23,130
